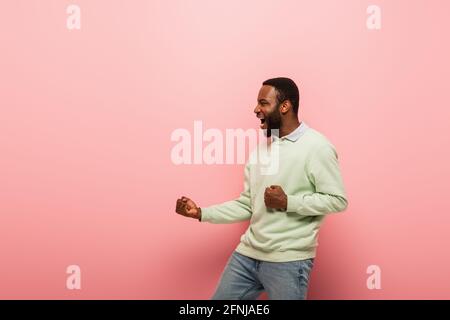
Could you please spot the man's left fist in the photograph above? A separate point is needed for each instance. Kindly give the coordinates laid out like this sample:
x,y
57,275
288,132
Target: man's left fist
x,y
275,198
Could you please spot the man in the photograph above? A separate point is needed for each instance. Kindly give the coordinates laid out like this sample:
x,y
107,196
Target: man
x,y
285,209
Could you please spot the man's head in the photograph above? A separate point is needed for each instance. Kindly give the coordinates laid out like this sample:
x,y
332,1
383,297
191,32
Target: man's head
x,y
278,101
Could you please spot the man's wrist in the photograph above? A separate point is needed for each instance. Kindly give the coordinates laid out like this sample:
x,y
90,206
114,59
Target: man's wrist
x,y
199,214
285,202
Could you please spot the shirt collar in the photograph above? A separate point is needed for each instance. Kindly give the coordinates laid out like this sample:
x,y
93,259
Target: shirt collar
x,y
294,135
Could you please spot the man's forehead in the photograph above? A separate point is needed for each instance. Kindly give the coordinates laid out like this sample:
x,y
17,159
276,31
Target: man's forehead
x,y
267,92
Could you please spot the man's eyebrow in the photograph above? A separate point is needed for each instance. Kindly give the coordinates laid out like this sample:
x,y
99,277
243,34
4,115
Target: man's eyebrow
x,y
262,100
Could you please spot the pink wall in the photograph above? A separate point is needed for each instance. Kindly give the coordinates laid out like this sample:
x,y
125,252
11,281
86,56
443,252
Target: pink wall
x,y
86,117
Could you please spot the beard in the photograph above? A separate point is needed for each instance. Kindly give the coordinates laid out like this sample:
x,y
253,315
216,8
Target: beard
x,y
273,120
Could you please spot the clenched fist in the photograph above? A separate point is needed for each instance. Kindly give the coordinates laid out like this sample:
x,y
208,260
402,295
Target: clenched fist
x,y
186,207
275,198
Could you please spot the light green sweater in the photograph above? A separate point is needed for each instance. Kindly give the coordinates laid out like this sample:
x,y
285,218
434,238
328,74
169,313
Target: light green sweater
x,y
309,174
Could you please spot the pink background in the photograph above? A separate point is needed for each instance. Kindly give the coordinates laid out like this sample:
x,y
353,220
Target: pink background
x,y
86,117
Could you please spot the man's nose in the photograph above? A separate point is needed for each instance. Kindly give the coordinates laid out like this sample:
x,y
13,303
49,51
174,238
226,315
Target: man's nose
x,y
257,109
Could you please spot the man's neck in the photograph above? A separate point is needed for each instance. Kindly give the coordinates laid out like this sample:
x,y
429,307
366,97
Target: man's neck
x,y
287,128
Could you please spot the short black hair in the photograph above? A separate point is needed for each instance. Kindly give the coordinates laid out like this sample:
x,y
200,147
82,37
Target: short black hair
x,y
286,90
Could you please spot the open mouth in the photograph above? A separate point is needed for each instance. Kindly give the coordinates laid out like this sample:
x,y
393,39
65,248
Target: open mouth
x,y
263,124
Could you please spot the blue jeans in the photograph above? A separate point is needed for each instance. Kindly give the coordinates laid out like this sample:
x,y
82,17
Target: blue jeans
x,y
245,278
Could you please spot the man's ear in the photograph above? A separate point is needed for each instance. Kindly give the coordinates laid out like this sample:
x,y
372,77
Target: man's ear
x,y
285,106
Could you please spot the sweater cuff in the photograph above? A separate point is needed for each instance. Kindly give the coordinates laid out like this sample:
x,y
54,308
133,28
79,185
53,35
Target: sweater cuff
x,y
293,203
205,215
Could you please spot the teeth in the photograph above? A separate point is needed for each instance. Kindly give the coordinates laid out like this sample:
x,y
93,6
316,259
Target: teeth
x,y
260,116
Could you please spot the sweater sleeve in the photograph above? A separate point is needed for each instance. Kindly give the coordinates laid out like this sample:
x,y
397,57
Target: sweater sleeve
x,y
231,211
329,196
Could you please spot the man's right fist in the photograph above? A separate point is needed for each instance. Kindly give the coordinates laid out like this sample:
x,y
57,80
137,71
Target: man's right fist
x,y
186,207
